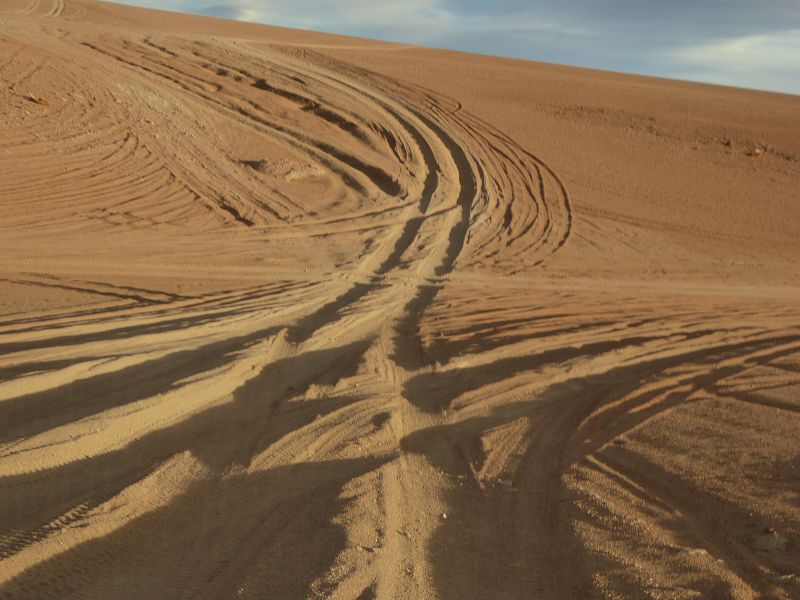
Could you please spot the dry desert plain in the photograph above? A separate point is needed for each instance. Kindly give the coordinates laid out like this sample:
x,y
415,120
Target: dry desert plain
x,y
291,315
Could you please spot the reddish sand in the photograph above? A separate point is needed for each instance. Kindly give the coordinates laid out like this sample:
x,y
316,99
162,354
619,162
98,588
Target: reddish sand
x,y
292,315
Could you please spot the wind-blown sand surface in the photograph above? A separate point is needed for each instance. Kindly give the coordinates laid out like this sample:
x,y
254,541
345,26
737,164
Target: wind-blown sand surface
x,y
289,315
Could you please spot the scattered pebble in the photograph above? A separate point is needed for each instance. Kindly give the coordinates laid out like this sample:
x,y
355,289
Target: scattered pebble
x,y
37,99
769,540
507,484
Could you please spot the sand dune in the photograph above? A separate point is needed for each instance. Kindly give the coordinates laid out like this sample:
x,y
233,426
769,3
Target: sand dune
x,y
292,315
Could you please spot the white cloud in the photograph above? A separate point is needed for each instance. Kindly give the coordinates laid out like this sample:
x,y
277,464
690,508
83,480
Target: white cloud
x,y
354,14
769,61
414,21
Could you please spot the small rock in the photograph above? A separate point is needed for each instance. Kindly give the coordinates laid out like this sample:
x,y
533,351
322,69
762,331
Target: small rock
x,y
444,515
37,99
693,551
783,578
769,541
507,484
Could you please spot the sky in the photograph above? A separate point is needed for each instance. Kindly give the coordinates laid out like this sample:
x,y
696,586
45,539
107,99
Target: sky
x,y
744,43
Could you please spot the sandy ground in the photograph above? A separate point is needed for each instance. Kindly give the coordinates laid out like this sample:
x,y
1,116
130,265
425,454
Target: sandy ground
x,y
289,315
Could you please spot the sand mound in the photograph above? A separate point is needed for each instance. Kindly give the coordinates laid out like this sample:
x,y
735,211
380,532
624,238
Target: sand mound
x,y
284,169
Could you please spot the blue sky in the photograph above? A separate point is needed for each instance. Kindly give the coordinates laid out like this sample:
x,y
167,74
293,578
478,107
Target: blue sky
x,y
746,43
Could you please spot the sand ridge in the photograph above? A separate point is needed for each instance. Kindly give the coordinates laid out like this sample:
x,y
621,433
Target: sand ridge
x,y
284,315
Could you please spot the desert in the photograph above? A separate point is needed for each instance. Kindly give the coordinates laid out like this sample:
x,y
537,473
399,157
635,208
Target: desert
x,y
286,314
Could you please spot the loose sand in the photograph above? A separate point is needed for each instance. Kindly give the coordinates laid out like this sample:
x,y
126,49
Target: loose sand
x,y
289,315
